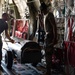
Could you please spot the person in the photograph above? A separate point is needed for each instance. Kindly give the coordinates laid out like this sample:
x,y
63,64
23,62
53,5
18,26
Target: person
x,y
11,21
4,27
24,35
50,36
40,28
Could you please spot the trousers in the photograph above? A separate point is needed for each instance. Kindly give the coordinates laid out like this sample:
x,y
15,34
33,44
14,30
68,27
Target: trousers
x,y
0,49
48,56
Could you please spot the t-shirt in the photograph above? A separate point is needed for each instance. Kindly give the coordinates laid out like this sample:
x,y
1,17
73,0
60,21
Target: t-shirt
x,y
3,26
